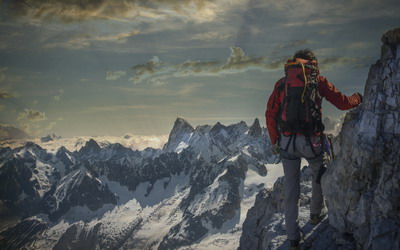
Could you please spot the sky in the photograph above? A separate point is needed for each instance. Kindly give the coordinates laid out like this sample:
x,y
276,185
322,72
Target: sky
x,y
111,67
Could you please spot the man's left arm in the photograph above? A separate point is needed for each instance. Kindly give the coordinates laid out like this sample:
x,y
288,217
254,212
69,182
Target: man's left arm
x,y
273,106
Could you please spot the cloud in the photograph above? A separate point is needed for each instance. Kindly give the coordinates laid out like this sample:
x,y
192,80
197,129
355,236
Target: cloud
x,y
155,71
32,121
114,75
148,69
11,132
333,125
58,97
31,115
81,10
238,60
79,40
329,123
212,35
141,142
6,95
311,13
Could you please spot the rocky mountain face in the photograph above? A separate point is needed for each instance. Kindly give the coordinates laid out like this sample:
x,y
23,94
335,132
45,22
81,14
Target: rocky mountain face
x,y
362,186
110,197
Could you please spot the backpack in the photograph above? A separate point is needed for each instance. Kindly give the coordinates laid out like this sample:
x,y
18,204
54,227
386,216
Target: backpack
x,y
300,110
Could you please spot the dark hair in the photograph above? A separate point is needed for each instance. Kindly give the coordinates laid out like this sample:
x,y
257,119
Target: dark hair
x,y
305,54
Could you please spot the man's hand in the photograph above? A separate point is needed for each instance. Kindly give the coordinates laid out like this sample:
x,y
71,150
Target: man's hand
x,y
275,149
360,95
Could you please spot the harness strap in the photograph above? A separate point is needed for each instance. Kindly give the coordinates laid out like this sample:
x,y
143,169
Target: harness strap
x,y
294,143
312,146
290,140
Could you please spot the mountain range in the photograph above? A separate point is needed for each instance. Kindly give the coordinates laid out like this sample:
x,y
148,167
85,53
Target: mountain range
x,y
195,190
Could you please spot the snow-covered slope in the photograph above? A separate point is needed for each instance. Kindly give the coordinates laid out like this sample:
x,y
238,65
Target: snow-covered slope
x,y
194,193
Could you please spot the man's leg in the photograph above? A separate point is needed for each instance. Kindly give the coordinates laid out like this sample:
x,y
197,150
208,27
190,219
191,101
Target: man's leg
x,y
317,199
291,170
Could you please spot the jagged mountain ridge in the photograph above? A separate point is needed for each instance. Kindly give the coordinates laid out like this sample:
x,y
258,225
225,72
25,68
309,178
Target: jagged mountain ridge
x,y
118,197
366,173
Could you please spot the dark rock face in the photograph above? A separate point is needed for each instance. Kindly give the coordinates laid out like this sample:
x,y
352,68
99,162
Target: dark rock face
x,y
86,190
91,147
255,129
21,235
76,238
180,132
362,186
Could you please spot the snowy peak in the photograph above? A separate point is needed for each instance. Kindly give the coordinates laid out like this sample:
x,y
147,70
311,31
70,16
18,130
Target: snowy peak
x,y
181,125
179,136
49,138
91,146
255,129
217,128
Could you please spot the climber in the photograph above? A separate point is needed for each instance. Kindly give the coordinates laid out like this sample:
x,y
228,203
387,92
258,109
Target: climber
x,y
294,121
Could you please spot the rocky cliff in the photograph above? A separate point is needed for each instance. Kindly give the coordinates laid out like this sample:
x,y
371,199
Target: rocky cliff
x,y
362,186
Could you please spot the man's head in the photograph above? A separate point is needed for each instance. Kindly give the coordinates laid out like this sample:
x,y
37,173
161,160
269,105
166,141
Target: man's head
x,y
305,54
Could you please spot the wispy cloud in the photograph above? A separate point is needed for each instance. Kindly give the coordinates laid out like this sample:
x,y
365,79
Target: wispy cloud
x,y
155,71
79,41
58,97
12,132
315,12
114,75
29,121
211,35
31,115
72,11
6,95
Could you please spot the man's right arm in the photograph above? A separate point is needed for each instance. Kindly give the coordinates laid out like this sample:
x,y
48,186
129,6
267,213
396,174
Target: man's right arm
x,y
334,96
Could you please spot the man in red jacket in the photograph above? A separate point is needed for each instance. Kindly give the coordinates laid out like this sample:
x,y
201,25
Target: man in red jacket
x,y
296,132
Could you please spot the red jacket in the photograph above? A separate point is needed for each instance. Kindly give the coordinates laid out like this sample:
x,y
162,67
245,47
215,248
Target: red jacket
x,y
326,89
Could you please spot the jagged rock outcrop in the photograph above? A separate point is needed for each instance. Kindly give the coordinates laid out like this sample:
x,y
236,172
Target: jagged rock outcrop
x,y
179,136
362,186
264,227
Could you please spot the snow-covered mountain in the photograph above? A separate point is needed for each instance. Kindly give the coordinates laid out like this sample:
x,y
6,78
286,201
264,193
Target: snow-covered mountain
x,y
193,193
52,142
